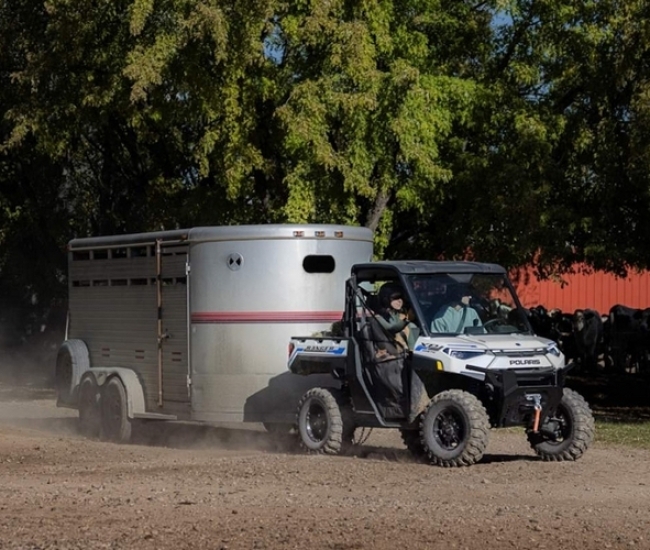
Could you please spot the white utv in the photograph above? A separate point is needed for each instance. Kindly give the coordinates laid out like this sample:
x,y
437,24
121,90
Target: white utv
x,y
446,389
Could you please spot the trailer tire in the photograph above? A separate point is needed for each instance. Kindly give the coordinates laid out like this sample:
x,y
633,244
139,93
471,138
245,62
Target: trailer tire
x,y
576,430
72,361
90,415
325,421
454,429
116,424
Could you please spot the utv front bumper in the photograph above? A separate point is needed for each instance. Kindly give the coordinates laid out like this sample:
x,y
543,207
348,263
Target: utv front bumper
x,y
521,397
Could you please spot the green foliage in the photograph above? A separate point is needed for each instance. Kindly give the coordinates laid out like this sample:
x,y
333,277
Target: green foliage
x,y
376,93
512,131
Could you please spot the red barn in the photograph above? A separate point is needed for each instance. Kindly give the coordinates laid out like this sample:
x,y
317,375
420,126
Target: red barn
x,y
599,291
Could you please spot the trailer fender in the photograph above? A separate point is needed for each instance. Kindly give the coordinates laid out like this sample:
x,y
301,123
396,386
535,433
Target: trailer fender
x,y
72,361
134,392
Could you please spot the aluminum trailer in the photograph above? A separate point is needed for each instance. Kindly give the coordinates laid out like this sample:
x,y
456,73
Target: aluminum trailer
x,y
193,324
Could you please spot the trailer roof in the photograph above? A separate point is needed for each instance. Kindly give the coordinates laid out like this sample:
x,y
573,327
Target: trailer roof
x,y
230,233
414,267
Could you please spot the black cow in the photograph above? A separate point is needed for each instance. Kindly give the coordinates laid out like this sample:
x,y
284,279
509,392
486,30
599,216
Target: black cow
x,y
627,337
552,324
562,333
540,321
588,332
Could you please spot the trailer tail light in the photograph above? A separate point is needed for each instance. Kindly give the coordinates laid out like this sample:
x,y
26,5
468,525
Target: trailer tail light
x,y
298,233
291,348
338,234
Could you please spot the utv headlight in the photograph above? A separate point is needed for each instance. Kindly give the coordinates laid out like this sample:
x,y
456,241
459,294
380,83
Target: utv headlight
x,y
553,349
462,354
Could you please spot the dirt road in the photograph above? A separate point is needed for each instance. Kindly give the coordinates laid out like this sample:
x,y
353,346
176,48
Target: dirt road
x,y
185,487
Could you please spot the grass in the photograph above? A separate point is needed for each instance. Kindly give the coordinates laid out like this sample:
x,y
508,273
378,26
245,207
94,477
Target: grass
x,y
621,406
616,432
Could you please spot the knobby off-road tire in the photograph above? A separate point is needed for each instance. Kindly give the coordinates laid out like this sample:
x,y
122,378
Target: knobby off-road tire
x,y
325,421
454,429
116,424
90,415
577,430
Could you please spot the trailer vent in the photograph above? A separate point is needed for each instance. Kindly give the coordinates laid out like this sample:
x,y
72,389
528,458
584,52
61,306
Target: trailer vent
x,y
235,261
319,264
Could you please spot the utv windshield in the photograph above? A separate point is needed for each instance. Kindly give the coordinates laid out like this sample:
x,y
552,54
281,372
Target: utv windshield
x,y
467,303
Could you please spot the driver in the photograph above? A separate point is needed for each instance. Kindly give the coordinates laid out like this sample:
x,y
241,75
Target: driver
x,y
457,314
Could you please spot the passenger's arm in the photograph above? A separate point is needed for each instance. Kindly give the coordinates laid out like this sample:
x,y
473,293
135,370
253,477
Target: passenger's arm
x,y
392,325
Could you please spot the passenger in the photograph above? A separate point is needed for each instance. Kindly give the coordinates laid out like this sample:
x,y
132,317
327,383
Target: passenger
x,y
395,319
457,314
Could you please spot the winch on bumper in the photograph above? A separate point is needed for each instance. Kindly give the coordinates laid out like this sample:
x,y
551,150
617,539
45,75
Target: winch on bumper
x,y
521,396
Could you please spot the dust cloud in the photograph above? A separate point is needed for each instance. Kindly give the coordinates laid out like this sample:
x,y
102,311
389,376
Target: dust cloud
x,y
28,400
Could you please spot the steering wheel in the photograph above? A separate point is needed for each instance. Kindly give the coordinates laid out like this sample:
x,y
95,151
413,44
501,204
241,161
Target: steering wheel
x,y
492,324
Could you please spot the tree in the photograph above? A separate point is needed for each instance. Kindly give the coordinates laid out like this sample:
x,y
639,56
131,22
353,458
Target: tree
x,y
375,91
554,170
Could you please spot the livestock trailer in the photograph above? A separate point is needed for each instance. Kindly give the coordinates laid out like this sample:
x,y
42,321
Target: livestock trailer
x,y
193,324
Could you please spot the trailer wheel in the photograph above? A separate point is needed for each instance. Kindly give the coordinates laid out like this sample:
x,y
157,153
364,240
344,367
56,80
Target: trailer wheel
x,y
574,429
72,361
116,424
454,429
325,421
90,419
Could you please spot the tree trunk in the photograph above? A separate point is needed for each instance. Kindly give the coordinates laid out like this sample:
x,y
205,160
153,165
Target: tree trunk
x,y
377,210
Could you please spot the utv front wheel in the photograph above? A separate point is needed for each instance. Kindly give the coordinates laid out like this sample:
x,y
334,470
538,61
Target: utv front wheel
x,y
324,421
572,428
454,429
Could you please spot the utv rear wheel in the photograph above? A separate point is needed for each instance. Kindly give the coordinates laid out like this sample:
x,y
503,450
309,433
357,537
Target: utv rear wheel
x,y
573,425
325,423
454,429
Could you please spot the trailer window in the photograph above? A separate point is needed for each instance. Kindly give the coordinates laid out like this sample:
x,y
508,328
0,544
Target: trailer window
x,y
100,254
118,253
319,264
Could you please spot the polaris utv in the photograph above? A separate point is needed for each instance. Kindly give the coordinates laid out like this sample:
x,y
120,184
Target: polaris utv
x,y
473,363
